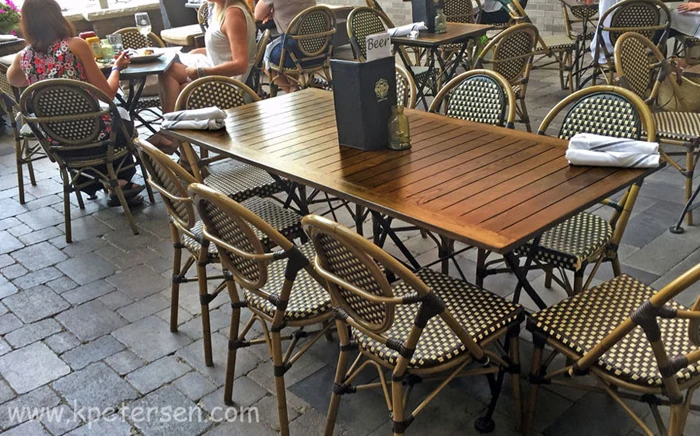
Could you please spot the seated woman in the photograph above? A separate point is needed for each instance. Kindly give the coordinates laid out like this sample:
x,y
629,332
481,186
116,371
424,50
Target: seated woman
x,y
54,52
229,51
282,12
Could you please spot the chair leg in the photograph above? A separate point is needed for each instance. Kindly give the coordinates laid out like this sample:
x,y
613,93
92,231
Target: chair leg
x,y
204,304
513,335
525,117
548,276
486,424
234,340
278,362
480,266
79,196
578,281
689,166
30,164
397,406
175,287
677,421
19,154
536,374
66,206
344,339
617,269
125,205
359,213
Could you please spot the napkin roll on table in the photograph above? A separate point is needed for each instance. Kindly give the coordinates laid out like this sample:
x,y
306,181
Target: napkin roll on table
x,y
406,29
211,118
587,149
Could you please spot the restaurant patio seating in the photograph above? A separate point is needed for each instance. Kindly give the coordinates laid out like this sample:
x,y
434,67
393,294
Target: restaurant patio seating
x,y
428,325
67,116
587,238
612,334
257,74
308,44
482,96
27,149
642,69
238,180
511,54
650,18
280,288
171,181
461,11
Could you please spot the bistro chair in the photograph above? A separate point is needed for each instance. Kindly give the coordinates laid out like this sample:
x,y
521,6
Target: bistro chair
x,y
461,11
27,149
257,74
238,180
69,116
171,181
429,325
203,16
635,342
588,239
405,88
511,54
650,18
374,4
481,96
308,43
642,68
280,288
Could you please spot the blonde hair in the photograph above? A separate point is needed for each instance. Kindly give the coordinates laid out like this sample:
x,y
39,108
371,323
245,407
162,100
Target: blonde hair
x,y
219,13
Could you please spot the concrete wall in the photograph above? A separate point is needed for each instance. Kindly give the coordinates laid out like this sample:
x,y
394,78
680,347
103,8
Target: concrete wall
x,y
546,14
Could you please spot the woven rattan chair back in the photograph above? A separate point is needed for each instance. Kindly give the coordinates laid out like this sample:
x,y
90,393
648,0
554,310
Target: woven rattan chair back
x,y
237,232
511,53
650,18
481,96
603,110
171,181
65,114
312,31
203,16
222,92
460,11
581,13
406,90
364,21
637,62
133,39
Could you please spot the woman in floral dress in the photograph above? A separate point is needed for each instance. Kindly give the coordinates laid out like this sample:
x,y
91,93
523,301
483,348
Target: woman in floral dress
x,y
54,52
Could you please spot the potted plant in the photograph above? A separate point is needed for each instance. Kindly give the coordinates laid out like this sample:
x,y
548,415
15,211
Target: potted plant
x,y
9,17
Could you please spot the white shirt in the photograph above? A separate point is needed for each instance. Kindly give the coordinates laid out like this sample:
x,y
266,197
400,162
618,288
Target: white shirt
x,y
219,48
603,6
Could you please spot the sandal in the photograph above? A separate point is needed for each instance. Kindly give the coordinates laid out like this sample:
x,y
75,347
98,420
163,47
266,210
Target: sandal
x,y
113,201
130,189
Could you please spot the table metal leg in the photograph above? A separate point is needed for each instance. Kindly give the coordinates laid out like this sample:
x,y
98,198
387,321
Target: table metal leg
x,y
521,273
384,226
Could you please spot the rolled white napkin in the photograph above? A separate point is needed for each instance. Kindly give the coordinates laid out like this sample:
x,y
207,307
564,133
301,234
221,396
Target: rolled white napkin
x,y
406,29
589,141
4,38
213,124
612,158
207,113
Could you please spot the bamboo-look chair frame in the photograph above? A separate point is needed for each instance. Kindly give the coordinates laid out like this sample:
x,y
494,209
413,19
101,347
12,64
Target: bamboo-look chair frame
x,y
44,128
171,181
27,150
516,67
646,83
152,37
203,16
583,364
441,103
316,47
376,262
614,30
256,75
259,261
622,209
224,93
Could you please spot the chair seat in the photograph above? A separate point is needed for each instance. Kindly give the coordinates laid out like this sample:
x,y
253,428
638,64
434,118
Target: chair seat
x,y
183,35
480,312
148,102
582,321
241,181
559,41
283,220
572,242
677,126
307,300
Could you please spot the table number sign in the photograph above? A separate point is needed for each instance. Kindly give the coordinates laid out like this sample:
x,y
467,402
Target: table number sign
x,y
378,46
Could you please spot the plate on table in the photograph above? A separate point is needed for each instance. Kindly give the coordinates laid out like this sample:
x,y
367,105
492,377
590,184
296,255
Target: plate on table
x,y
144,55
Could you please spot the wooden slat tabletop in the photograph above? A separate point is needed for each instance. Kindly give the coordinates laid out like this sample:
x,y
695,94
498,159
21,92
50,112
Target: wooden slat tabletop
x,y
456,32
487,186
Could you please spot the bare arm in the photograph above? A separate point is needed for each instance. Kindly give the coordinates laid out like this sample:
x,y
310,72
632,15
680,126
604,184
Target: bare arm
x,y
15,75
235,28
263,11
691,6
94,75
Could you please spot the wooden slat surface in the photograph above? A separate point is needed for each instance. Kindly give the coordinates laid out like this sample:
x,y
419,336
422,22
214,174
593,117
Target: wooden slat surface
x,y
487,186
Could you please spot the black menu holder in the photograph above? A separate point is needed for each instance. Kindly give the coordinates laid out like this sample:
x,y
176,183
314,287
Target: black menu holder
x,y
425,10
363,94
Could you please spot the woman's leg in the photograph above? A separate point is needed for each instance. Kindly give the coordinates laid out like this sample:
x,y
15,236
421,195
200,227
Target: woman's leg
x,y
171,83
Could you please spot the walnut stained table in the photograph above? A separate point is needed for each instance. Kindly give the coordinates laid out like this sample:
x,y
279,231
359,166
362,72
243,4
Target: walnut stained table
x,y
490,187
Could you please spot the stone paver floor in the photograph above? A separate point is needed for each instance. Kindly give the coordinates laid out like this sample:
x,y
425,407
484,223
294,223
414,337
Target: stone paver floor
x,y
84,326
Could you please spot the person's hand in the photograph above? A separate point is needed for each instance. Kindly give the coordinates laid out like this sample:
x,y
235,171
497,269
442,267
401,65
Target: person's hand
x,y
689,7
192,73
122,61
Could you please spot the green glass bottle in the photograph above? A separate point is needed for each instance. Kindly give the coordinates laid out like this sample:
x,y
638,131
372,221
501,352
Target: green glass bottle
x,y
399,132
440,21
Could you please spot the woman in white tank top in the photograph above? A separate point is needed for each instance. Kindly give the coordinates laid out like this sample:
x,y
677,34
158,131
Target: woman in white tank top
x,y
229,51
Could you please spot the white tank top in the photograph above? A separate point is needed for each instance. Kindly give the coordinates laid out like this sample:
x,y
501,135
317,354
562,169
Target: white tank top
x,y
218,47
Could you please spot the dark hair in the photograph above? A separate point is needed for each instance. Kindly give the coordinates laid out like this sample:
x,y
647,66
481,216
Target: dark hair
x,y
43,24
